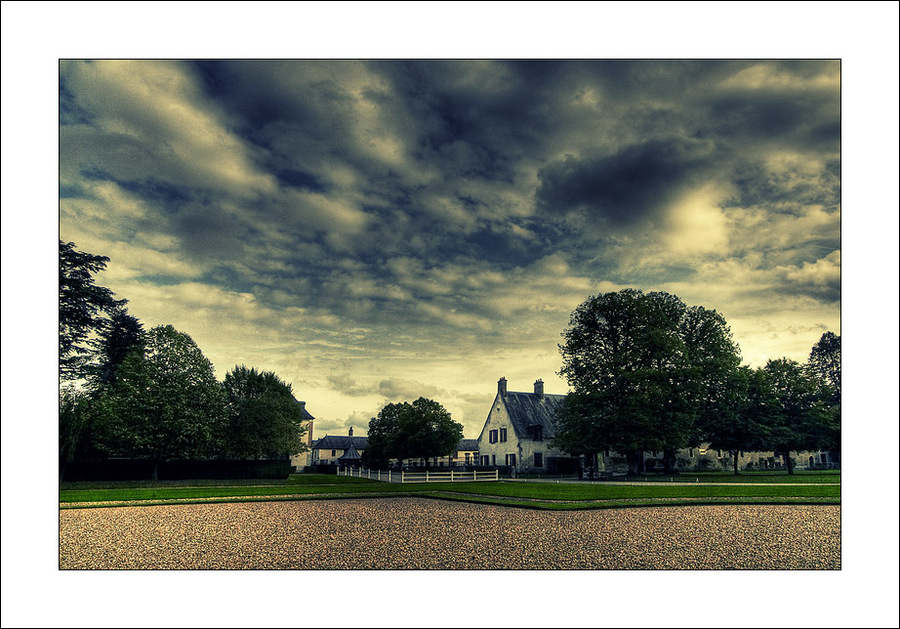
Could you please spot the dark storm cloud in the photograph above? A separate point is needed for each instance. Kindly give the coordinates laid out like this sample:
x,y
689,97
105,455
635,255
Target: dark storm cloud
x,y
380,210
626,188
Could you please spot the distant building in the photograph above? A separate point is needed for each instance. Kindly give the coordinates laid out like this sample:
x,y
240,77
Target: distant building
x,y
329,449
466,453
302,459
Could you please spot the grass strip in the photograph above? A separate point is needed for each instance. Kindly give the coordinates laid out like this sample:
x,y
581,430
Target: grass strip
x,y
545,491
530,495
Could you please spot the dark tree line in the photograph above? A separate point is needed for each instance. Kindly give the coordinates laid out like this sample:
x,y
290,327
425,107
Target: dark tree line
x,y
649,373
152,394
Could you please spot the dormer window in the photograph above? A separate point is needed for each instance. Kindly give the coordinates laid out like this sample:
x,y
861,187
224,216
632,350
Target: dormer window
x,y
537,433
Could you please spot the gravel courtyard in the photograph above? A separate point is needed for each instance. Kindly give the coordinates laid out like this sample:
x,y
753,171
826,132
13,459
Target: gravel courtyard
x,y
415,533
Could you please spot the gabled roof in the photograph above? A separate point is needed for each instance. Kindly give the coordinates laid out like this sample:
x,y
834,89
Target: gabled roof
x,y
466,445
340,442
531,409
350,454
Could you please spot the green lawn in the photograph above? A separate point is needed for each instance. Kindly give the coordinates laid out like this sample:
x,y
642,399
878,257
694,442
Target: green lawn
x,y
770,489
826,476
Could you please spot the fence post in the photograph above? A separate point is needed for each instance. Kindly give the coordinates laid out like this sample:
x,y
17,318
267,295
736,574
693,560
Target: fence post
x,y
402,477
451,476
426,476
475,475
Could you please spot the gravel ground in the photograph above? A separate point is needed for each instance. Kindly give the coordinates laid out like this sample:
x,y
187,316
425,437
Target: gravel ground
x,y
416,533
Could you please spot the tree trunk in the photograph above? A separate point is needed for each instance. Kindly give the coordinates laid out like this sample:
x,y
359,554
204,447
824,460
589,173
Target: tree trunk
x,y
591,459
154,473
669,461
787,462
635,463
735,454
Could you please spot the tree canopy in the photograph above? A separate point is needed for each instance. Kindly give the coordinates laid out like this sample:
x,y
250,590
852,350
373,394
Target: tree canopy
x,y
643,368
82,307
263,417
825,365
119,335
421,429
796,415
165,402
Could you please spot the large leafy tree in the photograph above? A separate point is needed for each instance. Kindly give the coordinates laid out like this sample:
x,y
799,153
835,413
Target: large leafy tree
x,y
716,381
263,417
621,352
82,307
825,365
643,368
738,423
383,437
165,402
421,429
795,415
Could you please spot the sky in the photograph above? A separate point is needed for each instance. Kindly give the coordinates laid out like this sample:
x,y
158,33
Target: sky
x,y
374,231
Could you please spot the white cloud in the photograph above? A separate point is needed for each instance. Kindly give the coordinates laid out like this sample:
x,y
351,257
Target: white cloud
x,y
771,75
157,106
695,224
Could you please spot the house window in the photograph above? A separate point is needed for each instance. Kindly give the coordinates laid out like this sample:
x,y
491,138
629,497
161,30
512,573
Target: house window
x,y
467,458
493,459
511,460
691,452
333,452
503,434
538,459
492,436
538,432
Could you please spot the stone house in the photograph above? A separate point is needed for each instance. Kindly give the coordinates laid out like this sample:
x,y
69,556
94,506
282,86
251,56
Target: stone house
x,y
518,431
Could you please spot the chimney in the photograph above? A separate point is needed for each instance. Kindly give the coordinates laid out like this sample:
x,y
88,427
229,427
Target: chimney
x,y
501,386
351,431
539,388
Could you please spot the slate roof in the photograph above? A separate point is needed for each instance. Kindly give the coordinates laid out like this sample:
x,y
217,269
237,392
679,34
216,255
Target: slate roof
x,y
340,442
304,414
350,454
530,409
466,445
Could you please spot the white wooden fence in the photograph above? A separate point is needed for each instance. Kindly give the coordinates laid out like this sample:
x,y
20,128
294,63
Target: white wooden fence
x,y
451,476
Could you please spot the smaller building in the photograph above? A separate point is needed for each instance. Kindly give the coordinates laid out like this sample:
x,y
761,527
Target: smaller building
x,y
329,449
466,453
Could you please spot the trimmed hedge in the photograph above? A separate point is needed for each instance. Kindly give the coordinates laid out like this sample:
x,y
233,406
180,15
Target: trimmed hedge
x,y
141,469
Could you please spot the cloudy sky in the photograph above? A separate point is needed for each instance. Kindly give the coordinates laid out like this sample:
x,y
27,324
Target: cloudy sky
x,y
373,231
